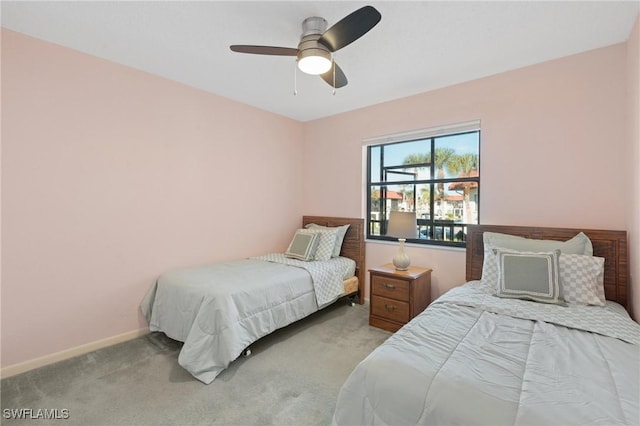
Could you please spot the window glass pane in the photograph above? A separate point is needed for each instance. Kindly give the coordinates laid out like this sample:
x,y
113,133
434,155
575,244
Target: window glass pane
x,y
375,210
388,198
406,161
400,198
374,162
456,155
460,203
407,153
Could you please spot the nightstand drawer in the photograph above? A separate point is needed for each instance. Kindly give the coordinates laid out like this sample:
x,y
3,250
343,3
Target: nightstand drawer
x,y
390,287
390,309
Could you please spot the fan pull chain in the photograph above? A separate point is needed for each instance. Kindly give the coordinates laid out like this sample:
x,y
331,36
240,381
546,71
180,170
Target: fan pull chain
x,y
295,79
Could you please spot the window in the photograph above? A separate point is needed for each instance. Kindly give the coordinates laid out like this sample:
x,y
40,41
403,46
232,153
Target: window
x,y
434,173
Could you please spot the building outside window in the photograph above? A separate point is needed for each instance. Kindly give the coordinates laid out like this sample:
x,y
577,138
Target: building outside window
x,y
434,173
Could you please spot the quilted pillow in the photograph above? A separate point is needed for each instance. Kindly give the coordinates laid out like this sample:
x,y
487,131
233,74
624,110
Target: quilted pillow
x,y
582,279
326,243
580,244
529,276
303,245
342,231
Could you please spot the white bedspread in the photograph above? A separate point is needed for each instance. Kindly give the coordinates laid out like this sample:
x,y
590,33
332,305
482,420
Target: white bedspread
x,y
219,310
465,365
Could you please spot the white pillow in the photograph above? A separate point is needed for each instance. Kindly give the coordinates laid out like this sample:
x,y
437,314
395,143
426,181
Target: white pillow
x,y
326,243
342,231
580,244
582,279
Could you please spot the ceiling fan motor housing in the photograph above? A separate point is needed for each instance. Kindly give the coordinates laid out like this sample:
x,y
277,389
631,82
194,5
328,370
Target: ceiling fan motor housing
x,y
309,46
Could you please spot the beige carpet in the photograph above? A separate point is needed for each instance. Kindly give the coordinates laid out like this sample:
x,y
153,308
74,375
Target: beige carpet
x,y
291,378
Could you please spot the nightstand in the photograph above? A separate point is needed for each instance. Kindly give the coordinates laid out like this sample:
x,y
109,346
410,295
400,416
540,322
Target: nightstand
x,y
397,296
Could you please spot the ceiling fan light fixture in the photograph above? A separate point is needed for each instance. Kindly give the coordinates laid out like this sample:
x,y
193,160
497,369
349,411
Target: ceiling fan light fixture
x,y
314,61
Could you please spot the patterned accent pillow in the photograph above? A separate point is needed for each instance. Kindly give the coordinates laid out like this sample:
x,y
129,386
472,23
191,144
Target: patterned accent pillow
x,y
582,279
580,244
529,276
342,231
326,243
303,245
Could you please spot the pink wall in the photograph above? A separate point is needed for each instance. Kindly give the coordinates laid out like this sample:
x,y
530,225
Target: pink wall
x,y
111,176
553,150
633,217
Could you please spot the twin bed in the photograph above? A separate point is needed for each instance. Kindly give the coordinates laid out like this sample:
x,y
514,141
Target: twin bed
x,y
472,358
218,310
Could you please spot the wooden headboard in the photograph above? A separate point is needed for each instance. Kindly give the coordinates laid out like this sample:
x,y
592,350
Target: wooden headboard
x,y
612,245
352,246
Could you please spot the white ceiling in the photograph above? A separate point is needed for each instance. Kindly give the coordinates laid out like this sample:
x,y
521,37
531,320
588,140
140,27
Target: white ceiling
x,y
416,47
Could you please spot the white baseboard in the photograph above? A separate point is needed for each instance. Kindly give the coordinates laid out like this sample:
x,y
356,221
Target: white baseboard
x,y
22,367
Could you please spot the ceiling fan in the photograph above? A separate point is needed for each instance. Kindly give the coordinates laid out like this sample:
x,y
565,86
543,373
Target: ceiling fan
x,y
317,43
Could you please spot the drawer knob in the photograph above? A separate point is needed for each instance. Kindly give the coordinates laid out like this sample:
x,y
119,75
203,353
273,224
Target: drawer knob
x,y
389,286
390,308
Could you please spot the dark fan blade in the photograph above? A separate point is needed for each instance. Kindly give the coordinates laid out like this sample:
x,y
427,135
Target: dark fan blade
x,y
264,50
350,28
340,78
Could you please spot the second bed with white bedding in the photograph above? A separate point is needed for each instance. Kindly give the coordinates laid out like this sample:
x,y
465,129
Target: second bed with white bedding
x,y
461,361
478,359
218,310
